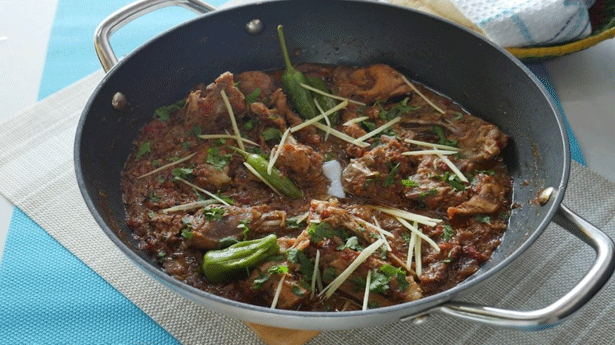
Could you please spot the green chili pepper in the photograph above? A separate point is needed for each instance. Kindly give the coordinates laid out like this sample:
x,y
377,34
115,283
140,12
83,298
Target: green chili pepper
x,y
325,102
275,179
291,80
219,265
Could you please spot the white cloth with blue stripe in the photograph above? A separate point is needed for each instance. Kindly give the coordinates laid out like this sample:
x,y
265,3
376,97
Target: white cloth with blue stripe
x,y
519,23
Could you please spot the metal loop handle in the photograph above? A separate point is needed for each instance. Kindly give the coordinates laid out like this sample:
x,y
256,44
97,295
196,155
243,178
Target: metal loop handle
x,y
585,289
128,13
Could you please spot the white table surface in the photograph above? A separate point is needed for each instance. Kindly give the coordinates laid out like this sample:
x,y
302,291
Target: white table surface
x,y
585,83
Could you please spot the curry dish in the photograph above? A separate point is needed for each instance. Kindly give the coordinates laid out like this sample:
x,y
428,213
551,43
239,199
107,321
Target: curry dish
x,y
385,193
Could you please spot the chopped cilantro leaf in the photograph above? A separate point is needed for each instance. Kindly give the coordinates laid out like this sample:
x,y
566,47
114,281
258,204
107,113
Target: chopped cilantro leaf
x,y
214,213
379,282
399,109
358,284
447,232
458,116
297,290
351,243
144,149
443,139
253,96
453,180
329,274
373,305
248,126
397,273
271,133
371,180
390,178
406,236
197,130
483,219
318,231
153,197
278,269
368,125
243,225
489,172
182,173
260,280
216,159
187,234
225,198
306,267
409,183
294,223
164,113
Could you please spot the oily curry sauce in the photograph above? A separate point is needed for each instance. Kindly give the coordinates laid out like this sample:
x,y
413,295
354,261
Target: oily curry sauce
x,y
424,191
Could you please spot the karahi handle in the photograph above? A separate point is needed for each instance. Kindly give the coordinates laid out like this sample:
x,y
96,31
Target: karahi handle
x,y
599,273
125,15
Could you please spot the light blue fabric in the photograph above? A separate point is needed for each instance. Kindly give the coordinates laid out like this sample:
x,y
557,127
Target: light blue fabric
x,y
45,304
40,303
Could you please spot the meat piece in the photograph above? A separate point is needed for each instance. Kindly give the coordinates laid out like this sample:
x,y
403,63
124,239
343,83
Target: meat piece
x,y
207,109
218,222
210,177
292,293
368,176
354,286
302,160
482,141
374,83
430,190
249,81
337,217
491,196
268,117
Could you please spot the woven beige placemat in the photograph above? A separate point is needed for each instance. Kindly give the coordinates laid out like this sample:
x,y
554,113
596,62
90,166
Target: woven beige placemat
x,y
37,174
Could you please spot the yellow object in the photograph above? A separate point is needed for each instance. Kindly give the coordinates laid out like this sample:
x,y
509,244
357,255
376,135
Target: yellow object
x,y
539,53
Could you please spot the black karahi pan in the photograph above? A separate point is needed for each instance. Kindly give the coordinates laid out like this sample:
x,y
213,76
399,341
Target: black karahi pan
x,y
482,77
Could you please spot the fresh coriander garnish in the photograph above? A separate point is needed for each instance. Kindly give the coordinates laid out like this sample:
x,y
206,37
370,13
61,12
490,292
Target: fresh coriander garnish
x,y
453,180
182,173
390,178
250,124
144,149
253,96
439,131
278,269
216,159
271,133
399,109
153,197
447,232
351,243
318,231
298,290
243,225
306,266
483,218
409,183
164,113
214,213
